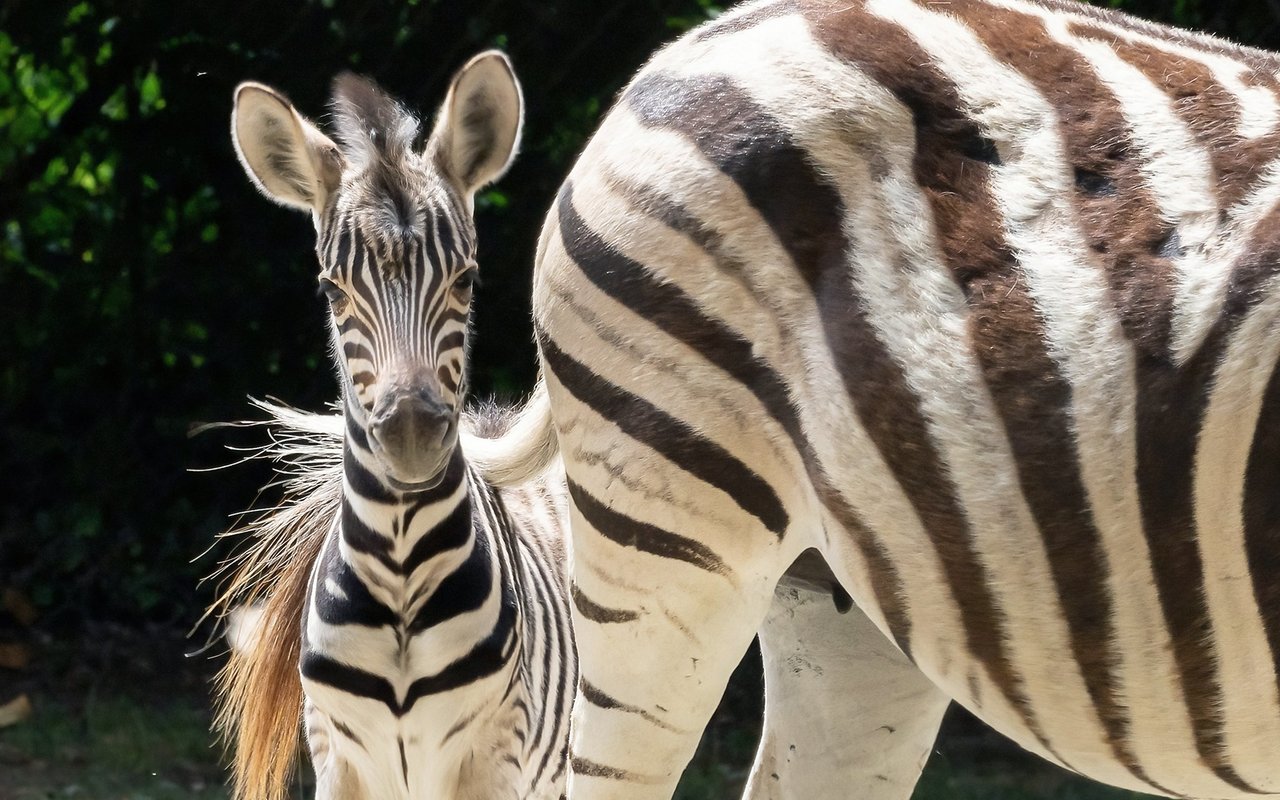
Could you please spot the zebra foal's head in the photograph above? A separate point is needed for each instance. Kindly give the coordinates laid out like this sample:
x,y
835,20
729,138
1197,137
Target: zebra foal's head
x,y
395,240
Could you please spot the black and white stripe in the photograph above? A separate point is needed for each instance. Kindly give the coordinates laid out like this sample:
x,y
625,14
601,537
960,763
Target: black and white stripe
x,y
438,633
436,654
980,300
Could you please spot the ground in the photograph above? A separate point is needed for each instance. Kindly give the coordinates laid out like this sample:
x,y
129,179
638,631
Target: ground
x,y
122,714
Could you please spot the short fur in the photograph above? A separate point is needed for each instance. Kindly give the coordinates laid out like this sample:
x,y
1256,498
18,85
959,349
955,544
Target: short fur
x,y
366,546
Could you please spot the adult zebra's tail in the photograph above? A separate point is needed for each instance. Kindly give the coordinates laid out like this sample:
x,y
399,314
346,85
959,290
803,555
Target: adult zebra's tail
x,y
519,449
258,694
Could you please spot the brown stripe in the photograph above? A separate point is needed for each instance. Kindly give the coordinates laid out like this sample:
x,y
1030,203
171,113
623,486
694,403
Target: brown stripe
x,y
1120,220
597,697
1171,408
1261,508
1122,224
950,152
595,612
889,410
742,22
635,534
664,304
735,356
1256,59
1212,113
1262,514
582,766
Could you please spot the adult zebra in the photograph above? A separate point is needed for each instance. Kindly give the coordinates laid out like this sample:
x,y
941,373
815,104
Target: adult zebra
x,y
436,653
977,299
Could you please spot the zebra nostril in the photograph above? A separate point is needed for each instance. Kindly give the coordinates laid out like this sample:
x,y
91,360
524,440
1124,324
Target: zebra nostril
x,y
409,422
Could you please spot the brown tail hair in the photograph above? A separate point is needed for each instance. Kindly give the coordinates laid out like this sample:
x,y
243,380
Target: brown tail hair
x,y
258,694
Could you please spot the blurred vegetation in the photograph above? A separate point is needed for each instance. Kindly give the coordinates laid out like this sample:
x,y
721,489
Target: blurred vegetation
x,y
101,731
147,287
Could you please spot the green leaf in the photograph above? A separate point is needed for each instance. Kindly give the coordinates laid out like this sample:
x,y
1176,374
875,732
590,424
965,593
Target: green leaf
x,y
492,199
44,276
78,12
116,107
150,96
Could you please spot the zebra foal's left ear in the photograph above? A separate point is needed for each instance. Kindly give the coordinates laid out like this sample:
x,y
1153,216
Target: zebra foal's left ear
x,y
478,128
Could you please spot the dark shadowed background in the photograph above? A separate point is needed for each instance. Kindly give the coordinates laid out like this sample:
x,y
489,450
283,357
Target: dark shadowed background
x,y
146,288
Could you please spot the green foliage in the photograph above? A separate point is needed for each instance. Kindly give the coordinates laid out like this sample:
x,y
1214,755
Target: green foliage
x,y
114,747
122,748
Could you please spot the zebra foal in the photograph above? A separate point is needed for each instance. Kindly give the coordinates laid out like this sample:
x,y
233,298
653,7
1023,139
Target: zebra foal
x,y
415,616
979,301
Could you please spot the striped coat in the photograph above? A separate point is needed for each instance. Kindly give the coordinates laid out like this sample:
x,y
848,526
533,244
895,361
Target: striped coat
x,y
412,614
978,299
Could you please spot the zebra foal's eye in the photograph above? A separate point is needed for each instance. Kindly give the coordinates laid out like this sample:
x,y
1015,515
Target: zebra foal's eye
x,y
334,294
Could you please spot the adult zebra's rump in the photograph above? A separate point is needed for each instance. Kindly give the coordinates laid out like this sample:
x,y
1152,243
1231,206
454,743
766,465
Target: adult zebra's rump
x,y
979,299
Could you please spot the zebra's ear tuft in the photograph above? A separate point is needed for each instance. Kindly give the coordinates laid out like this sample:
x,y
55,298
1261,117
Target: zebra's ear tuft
x,y
477,130
285,156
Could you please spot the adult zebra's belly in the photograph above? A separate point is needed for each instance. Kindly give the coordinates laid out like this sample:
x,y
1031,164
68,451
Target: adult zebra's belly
x,y
1086,658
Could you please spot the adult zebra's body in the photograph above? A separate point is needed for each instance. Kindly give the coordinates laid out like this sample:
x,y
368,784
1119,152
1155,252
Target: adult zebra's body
x,y
979,299
436,654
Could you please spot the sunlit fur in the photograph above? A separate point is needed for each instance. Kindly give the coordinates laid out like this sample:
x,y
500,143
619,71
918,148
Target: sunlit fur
x,y
978,298
435,651
397,254
272,573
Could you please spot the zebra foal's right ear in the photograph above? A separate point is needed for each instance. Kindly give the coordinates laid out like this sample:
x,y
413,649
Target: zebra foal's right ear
x,y
477,130
285,156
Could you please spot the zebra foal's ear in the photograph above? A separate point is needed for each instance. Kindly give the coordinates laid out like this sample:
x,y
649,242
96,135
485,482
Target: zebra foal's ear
x,y
478,128
286,157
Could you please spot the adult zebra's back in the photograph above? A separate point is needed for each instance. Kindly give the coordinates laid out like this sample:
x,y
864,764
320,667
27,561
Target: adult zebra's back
x,y
980,300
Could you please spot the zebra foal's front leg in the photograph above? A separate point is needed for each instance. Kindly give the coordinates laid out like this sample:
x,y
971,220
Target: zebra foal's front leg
x,y
335,778
846,713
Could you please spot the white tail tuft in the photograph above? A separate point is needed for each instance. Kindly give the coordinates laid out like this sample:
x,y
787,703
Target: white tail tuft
x,y
244,628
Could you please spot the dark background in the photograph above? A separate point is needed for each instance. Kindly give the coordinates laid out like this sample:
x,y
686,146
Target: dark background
x,y
146,287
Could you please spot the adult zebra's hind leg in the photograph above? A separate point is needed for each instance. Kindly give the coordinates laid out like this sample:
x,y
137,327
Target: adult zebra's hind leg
x,y
846,714
657,638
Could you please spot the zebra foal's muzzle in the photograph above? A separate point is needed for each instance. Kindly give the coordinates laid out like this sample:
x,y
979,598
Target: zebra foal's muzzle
x,y
412,432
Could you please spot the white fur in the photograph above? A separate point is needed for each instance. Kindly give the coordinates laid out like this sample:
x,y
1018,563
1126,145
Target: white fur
x,y
922,319
874,741
1251,706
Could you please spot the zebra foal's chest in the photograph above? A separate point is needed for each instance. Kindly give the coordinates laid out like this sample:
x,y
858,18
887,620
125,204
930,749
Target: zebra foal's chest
x,y
406,657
